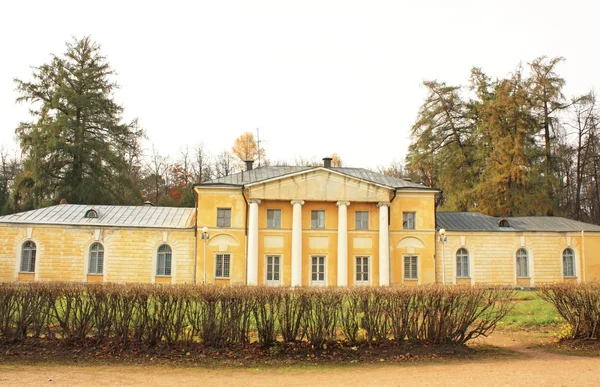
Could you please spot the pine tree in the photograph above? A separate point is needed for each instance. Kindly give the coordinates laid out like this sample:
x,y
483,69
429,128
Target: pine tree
x,y
76,145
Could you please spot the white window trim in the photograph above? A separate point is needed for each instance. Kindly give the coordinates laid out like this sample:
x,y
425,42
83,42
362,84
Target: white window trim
x,y
575,263
370,265
155,260
18,251
530,267
325,272
86,260
404,278
272,282
215,265
469,259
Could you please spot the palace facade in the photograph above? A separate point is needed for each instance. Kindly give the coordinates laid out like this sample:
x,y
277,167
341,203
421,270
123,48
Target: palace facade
x,y
296,226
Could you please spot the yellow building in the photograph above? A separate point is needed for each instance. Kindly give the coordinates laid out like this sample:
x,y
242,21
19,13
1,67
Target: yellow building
x,y
519,251
292,226
71,242
316,226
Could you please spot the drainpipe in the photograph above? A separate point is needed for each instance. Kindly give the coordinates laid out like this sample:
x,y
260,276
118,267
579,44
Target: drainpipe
x,y
196,198
389,239
583,255
245,239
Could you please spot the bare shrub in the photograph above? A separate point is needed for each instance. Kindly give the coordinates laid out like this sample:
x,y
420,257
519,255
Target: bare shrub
x,y
578,304
321,308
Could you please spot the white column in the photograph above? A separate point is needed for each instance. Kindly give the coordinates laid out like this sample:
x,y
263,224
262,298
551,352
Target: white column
x,y
297,242
342,256
384,244
253,242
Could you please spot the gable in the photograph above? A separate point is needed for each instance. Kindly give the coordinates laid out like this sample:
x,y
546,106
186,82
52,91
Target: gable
x,y
319,185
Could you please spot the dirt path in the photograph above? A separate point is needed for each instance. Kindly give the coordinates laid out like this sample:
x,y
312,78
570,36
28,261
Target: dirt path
x,y
530,366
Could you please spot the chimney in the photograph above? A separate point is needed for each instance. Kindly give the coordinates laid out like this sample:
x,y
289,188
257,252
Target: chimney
x,y
249,165
327,162
63,201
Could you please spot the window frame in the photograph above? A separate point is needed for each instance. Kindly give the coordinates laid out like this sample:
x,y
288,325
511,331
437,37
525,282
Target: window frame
x,y
463,255
407,274
167,256
318,282
275,221
362,273
32,258
222,266
405,215
273,282
96,263
572,265
226,219
318,220
359,224
523,255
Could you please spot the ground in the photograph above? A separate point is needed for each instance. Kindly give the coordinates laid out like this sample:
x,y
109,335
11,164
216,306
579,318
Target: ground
x,y
504,359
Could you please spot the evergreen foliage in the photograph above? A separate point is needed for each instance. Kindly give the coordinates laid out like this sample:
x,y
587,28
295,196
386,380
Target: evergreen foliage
x,y
76,145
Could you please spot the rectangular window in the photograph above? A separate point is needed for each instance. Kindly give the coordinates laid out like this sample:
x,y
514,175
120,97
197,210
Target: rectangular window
x,y
223,217
317,271
273,218
411,264
362,220
362,270
273,269
408,220
222,265
317,219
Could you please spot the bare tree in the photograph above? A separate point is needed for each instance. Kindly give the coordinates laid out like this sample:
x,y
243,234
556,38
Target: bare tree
x,y
224,164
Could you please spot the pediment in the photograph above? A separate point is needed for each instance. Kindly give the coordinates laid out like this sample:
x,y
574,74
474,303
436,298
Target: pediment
x,y
319,185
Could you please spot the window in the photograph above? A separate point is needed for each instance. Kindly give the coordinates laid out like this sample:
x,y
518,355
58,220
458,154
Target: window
x,y
223,217
91,213
522,264
317,219
28,257
568,263
222,265
273,218
362,270
362,220
408,220
317,271
273,269
96,259
410,267
163,260
462,263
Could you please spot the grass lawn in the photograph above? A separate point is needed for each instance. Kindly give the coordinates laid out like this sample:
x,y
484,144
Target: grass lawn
x,y
530,311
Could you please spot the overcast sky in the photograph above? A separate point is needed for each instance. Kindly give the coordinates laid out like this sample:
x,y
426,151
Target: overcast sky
x,y
315,77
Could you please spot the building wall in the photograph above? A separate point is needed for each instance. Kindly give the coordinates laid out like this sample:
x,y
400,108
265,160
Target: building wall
x,y
319,191
63,252
492,257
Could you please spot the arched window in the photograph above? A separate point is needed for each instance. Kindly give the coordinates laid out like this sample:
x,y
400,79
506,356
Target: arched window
x,y
568,263
163,260
28,252
462,263
96,259
522,263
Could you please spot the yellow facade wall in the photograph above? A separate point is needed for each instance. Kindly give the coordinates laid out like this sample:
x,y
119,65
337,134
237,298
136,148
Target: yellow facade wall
x,y
62,253
315,242
492,257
